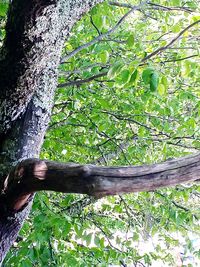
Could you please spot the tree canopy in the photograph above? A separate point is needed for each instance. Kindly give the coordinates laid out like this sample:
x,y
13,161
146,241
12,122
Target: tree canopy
x,y
128,94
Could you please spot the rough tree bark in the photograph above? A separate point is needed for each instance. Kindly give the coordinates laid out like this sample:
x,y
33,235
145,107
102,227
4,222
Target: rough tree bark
x,y
33,175
36,30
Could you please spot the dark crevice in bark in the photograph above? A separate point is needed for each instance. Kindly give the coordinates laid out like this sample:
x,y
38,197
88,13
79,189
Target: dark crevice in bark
x,y
21,56
36,30
17,145
35,34
22,17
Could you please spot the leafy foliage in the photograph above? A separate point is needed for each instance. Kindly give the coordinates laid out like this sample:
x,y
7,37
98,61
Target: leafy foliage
x,y
128,93
3,12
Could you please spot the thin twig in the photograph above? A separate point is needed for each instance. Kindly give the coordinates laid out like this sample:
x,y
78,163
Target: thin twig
x,y
100,37
179,59
93,24
165,8
161,49
79,82
153,6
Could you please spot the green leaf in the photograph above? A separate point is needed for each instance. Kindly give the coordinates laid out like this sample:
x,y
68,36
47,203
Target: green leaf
x,y
164,81
161,89
151,77
78,230
98,21
97,241
146,75
101,243
3,9
124,76
104,56
176,2
176,28
115,70
191,123
135,236
88,239
133,77
196,144
154,80
26,263
131,40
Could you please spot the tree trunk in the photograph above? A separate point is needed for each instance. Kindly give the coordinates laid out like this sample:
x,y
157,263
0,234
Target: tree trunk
x,y
29,60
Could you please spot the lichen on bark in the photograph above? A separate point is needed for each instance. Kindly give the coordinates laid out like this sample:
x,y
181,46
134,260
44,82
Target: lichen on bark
x,y
36,31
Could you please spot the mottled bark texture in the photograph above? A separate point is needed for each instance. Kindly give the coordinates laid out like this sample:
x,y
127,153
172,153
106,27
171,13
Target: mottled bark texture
x,y
36,30
33,175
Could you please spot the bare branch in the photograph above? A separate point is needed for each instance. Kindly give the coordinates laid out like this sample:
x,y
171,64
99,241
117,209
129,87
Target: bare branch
x,y
79,82
179,59
161,49
100,37
165,8
153,6
35,175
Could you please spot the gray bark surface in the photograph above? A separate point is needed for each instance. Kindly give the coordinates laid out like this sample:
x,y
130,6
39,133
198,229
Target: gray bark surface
x,y
33,175
29,60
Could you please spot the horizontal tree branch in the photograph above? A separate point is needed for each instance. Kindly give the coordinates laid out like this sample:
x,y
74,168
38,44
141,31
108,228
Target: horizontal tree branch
x,y
79,82
171,8
33,175
179,59
153,6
